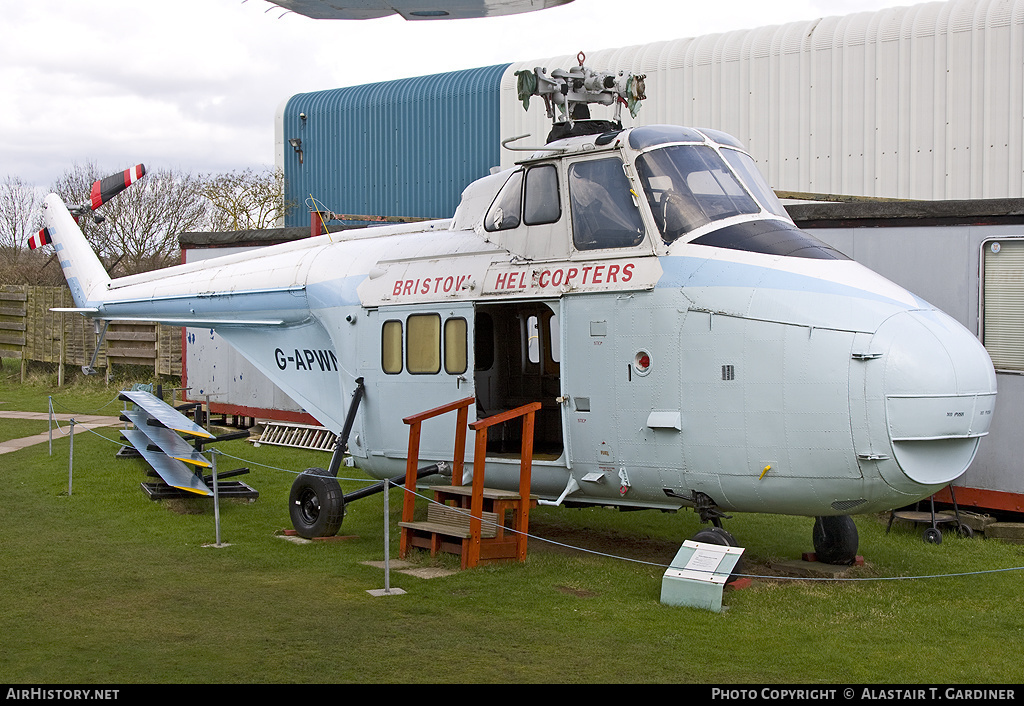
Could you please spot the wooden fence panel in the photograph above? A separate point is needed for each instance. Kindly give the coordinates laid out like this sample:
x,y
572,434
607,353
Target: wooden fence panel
x,y
13,299
30,330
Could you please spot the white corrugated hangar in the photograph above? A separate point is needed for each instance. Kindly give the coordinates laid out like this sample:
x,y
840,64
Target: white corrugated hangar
x,y
923,102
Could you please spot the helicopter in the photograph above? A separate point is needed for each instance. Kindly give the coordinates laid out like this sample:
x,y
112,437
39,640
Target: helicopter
x,y
689,346
418,10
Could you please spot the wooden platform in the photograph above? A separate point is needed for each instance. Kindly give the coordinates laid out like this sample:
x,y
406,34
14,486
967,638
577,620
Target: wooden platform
x,y
470,520
448,525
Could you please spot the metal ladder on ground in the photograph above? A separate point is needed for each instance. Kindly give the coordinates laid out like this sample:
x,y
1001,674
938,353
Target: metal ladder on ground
x,y
300,436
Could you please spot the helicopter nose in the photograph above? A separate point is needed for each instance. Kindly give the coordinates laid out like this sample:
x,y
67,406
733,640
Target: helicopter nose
x,y
930,389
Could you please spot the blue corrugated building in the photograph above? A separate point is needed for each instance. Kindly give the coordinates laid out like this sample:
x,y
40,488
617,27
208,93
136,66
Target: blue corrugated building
x,y
398,148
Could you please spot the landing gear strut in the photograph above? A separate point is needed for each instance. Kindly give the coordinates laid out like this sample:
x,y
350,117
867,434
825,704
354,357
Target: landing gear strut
x,y
835,540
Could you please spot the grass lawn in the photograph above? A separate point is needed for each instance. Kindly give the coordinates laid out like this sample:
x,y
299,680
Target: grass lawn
x,y
107,586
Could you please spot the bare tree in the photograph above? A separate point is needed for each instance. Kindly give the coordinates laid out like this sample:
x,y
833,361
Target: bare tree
x,y
247,199
19,215
136,230
140,225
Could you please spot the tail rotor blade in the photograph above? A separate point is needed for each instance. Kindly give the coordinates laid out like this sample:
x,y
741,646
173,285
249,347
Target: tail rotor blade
x,y
107,188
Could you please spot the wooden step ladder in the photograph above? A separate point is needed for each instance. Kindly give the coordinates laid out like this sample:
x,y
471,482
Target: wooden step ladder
x,y
457,516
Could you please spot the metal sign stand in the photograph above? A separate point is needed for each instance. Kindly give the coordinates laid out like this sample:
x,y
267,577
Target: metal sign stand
x,y
697,575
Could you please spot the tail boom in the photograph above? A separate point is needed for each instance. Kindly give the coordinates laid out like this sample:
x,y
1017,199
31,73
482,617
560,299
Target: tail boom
x,y
82,268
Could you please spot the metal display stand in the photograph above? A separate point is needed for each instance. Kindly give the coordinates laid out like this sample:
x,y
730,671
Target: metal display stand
x,y
932,535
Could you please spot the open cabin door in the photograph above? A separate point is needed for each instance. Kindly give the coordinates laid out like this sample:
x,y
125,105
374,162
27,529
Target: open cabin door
x,y
416,358
518,361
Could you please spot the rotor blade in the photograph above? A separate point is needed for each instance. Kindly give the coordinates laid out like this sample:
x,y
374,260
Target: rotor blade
x,y
40,239
107,188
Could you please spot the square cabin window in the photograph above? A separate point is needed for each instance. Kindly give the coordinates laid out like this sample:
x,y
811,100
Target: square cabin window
x,y
391,347
456,344
423,344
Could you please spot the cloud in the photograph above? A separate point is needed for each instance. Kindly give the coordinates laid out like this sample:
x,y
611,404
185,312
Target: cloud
x,y
195,84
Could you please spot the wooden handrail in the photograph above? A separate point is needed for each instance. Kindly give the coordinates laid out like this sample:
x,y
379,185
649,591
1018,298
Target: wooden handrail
x,y
413,456
480,426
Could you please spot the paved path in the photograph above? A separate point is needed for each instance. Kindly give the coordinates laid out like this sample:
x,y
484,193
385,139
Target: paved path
x,y
82,421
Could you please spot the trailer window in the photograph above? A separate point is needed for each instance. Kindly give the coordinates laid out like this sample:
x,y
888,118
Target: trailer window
x,y
391,347
456,359
1003,300
423,343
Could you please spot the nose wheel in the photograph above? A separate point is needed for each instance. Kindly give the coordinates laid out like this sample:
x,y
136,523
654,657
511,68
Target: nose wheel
x,y
835,540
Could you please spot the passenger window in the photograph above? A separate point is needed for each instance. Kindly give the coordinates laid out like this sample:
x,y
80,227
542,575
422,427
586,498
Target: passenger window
x,y
456,344
424,344
604,214
532,340
504,212
391,347
542,204
542,340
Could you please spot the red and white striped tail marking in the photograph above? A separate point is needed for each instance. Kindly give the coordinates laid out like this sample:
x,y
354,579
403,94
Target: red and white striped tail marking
x,y
107,188
40,239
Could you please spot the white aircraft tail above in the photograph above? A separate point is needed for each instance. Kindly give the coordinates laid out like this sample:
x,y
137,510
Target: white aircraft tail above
x,y
83,270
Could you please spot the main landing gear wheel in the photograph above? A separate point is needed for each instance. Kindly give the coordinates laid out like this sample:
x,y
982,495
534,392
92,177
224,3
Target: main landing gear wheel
x,y
316,504
835,540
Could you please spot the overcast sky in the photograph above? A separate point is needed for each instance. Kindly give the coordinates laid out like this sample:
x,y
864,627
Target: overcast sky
x,y
195,84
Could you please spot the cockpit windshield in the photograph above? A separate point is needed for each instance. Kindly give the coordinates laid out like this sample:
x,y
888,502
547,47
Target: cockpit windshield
x,y
688,186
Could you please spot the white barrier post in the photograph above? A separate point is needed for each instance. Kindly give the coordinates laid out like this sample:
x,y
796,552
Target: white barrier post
x,y
216,496
71,455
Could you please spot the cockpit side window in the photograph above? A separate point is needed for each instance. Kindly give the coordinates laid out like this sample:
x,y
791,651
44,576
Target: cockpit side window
x,y
604,214
541,204
688,186
504,212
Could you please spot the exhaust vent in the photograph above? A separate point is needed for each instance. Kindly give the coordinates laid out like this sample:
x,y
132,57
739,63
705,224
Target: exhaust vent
x,y
846,505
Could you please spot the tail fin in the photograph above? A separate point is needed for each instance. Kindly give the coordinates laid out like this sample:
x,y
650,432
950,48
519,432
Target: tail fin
x,y
82,269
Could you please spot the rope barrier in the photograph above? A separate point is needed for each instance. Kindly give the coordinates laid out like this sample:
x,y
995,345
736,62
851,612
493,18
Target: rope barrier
x,y
622,558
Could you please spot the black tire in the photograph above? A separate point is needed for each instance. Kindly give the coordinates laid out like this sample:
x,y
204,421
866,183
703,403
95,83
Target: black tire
x,y
708,535
933,536
835,540
965,531
316,504
726,538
